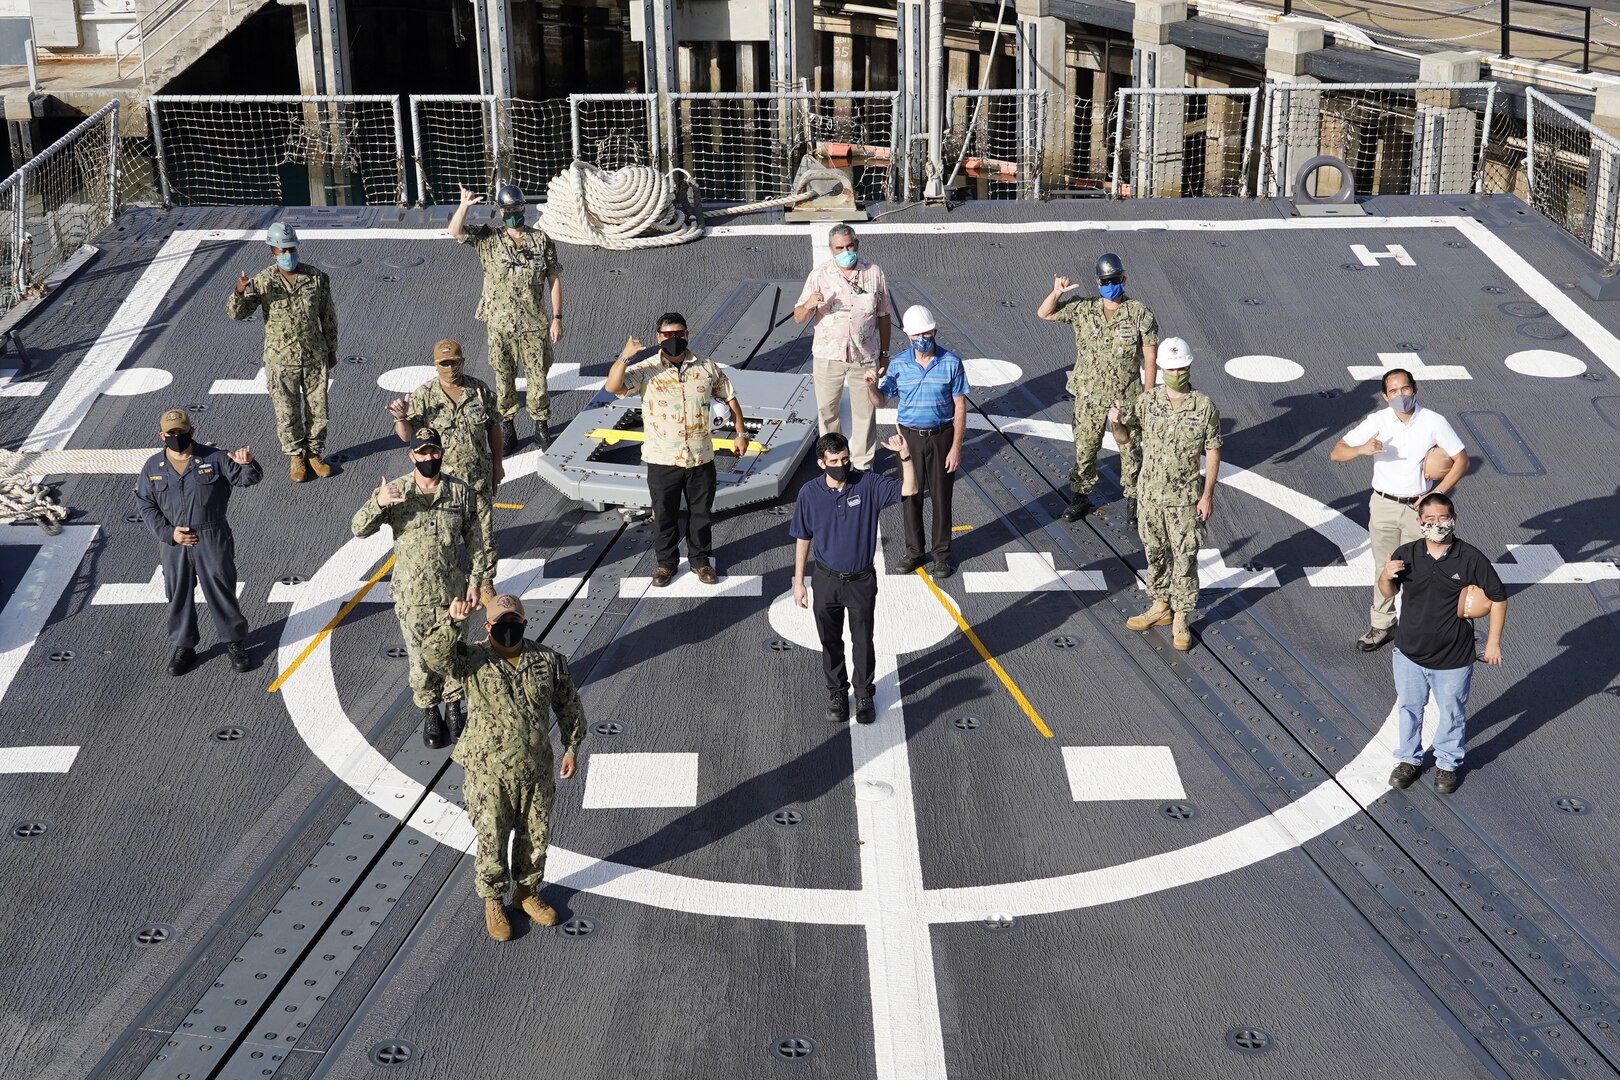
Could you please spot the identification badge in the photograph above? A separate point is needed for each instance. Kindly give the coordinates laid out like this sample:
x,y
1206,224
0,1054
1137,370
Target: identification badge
x,y
854,500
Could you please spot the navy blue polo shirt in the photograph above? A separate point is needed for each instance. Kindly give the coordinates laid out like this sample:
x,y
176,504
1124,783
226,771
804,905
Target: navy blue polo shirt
x,y
842,525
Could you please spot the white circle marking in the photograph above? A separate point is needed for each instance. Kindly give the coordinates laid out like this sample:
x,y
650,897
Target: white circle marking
x,y
132,382
1264,369
1545,364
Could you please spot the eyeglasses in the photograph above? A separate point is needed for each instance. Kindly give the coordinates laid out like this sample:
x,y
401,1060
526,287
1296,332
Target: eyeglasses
x,y
451,363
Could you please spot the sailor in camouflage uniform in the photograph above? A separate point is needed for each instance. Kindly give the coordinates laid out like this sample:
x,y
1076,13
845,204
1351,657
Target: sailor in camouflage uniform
x,y
1177,425
515,686
462,410
1116,342
520,268
432,514
300,347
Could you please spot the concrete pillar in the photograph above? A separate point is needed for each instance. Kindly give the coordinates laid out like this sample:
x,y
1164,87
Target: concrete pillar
x,y
911,79
1295,135
1042,63
1445,150
1603,178
843,63
1156,126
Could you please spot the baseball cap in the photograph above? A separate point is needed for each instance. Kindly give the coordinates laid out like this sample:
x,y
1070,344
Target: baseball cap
x,y
175,420
504,605
447,350
1175,354
425,436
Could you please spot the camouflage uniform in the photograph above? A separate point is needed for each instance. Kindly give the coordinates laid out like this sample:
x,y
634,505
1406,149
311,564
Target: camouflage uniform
x,y
427,564
300,334
506,749
516,280
464,429
1173,439
1107,368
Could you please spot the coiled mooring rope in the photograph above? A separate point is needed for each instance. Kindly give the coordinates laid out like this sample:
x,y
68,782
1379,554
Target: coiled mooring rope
x,y
633,207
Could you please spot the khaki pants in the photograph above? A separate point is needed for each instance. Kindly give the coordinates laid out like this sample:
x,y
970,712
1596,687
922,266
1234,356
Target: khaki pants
x,y
832,377
1390,524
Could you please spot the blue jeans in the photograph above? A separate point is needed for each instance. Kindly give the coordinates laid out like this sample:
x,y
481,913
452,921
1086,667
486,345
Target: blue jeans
x,y
1413,685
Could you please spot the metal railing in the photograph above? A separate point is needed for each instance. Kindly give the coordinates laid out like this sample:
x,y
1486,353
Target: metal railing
x,y
998,138
1508,29
139,36
245,149
456,142
1572,168
1191,141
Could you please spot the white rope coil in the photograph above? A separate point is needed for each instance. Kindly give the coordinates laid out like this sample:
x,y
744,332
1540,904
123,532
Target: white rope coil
x,y
23,500
628,208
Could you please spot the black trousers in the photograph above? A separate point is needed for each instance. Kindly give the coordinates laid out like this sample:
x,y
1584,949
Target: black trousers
x,y
668,484
836,595
928,458
211,563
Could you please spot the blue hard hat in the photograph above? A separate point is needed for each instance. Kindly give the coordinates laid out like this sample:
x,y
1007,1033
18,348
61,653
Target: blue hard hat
x,y
281,235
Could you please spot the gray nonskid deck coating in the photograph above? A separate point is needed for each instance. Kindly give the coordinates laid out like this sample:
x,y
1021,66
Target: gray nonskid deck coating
x,y
1307,945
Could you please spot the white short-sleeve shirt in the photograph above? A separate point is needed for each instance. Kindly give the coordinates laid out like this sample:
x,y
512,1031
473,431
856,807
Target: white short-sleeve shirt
x,y
1398,468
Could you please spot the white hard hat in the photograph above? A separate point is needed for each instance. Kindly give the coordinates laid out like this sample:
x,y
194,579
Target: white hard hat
x,y
917,320
1175,354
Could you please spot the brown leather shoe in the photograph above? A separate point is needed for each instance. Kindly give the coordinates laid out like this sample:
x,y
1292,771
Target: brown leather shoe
x,y
539,912
495,920
320,468
297,469
662,576
707,575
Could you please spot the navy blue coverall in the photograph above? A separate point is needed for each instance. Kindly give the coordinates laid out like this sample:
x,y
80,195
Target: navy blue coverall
x,y
196,499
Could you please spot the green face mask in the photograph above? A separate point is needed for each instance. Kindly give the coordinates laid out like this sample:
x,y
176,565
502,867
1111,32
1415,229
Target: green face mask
x,y
512,221
1179,381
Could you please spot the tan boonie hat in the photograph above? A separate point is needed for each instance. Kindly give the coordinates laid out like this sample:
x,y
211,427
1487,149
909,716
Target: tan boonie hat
x,y
504,605
447,350
175,420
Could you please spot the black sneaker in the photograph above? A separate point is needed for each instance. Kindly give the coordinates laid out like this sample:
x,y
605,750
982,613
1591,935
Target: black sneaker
x,y
1374,639
434,735
1077,509
509,437
865,711
838,706
1446,781
1404,774
942,569
238,655
457,715
181,661
910,564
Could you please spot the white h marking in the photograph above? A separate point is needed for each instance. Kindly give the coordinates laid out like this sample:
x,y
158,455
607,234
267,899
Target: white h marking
x,y
1394,251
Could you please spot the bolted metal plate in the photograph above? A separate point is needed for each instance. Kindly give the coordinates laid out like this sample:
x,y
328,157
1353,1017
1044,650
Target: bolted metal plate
x,y
1571,804
196,406
392,1054
395,652
1179,811
1592,376
998,920
787,818
1409,346
154,934
967,723
577,927
608,727
1541,331
1008,303
387,277
29,829
291,579
357,359
1522,309
1252,301
793,1048
1063,641
1456,243
1350,266
228,734
1248,1040
1494,290
1218,243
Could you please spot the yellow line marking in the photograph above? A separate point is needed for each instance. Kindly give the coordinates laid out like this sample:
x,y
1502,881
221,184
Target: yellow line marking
x,y
960,528
1001,673
342,614
508,506
615,435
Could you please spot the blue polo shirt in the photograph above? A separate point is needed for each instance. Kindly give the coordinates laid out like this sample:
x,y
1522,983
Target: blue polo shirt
x,y
842,525
927,395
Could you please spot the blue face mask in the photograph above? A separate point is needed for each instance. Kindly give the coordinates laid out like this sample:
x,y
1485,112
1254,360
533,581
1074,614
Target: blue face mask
x,y
1111,292
287,260
847,259
924,345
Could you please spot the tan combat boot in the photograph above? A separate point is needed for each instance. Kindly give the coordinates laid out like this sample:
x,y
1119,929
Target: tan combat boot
x,y
297,469
539,912
495,919
1181,633
319,467
1157,615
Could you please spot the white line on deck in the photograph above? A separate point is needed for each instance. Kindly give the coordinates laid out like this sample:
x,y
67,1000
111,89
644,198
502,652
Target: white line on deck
x,y
37,759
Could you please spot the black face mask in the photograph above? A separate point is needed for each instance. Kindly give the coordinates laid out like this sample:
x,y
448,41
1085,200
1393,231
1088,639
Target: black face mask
x,y
506,634
179,441
673,347
838,474
430,467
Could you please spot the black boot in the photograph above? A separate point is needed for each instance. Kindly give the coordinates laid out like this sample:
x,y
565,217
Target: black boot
x,y
1130,512
542,437
1078,508
457,711
238,655
181,661
838,706
509,437
434,735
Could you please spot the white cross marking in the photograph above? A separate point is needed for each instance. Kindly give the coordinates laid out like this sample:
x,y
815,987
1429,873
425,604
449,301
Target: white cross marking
x,y
1411,362
1540,564
1031,571
141,592
11,388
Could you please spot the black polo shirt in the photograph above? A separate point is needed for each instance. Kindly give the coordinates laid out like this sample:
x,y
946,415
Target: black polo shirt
x,y
1430,634
842,525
